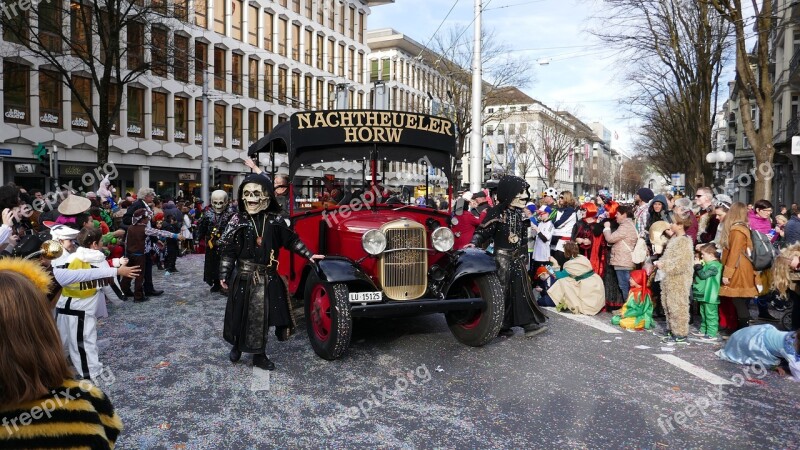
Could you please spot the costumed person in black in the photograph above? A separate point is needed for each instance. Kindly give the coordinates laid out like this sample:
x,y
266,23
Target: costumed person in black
x,y
508,228
211,226
257,297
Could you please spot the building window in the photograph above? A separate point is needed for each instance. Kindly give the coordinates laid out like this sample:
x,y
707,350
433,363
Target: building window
x,y
320,50
237,127
320,92
523,129
159,116
296,6
236,69
309,13
80,28
269,73
219,69
282,3
268,18
135,45
307,104
523,148
283,74
331,95
341,18
252,127
113,106
361,24
15,28
320,9
523,108
236,19
200,62
374,70
331,18
50,26
79,119
352,27
283,37
181,58
50,89
16,93
295,90
512,129
252,26
350,63
135,112
501,149
198,121
267,123
489,130
330,56
219,125
309,40
360,68
181,119
252,78
181,10
341,60
219,16
158,52
200,11
296,42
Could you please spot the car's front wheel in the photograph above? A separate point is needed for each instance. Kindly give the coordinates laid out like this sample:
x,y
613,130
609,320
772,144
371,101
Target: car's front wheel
x,y
328,319
477,327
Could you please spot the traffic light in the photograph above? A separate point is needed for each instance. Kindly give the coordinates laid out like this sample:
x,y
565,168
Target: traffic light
x,y
487,170
42,154
216,176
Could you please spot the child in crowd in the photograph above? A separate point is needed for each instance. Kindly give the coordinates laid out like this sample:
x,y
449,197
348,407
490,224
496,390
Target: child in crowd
x,y
544,232
544,279
171,224
76,310
637,312
705,290
765,346
677,266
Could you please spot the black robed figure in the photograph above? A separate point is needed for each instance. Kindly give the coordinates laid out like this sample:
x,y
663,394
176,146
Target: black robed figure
x,y
257,297
508,228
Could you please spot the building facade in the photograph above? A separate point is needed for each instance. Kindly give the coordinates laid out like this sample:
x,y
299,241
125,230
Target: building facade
x,y
263,61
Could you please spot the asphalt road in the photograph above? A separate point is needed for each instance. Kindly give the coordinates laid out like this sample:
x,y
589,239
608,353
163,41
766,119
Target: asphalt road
x,y
407,383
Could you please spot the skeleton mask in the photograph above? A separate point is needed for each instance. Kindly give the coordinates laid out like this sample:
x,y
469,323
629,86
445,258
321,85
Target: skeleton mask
x,y
255,198
520,200
219,199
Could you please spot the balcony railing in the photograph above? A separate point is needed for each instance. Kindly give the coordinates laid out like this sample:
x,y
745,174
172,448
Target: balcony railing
x,y
793,128
794,63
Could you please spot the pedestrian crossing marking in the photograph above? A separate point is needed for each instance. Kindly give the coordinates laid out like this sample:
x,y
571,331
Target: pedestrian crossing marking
x,y
588,320
260,380
697,371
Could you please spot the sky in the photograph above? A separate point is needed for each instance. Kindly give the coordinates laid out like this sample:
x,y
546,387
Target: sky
x,y
581,75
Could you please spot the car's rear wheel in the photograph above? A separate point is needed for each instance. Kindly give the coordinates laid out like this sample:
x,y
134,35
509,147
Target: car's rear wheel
x,y
477,327
328,319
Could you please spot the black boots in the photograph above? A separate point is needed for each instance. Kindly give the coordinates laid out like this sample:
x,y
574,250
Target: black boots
x,y
262,362
234,355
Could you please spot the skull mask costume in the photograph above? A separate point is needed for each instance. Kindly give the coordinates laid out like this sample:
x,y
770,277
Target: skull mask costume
x,y
255,198
219,200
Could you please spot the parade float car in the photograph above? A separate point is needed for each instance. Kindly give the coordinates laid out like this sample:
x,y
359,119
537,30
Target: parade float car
x,y
385,257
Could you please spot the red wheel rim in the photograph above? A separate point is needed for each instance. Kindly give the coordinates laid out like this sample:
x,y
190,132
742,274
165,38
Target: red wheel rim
x,y
475,319
321,313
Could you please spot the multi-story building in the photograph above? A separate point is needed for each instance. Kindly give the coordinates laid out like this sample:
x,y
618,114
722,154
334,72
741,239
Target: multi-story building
x,y
264,59
785,52
522,134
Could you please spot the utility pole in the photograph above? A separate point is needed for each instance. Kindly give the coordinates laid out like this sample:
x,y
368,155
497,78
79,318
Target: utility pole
x,y
204,159
54,172
476,143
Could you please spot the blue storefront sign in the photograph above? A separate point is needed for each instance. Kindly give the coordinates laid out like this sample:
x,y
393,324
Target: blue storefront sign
x,y
5,152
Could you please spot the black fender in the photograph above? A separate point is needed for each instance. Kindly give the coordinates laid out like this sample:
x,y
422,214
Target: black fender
x,y
467,263
338,269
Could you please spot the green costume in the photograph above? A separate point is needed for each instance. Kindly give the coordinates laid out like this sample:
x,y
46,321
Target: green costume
x,y
637,312
705,291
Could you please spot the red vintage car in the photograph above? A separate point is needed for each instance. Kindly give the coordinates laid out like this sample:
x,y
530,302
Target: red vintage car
x,y
385,255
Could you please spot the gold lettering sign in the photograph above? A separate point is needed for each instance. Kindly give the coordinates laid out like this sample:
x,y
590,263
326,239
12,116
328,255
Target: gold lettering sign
x,y
373,126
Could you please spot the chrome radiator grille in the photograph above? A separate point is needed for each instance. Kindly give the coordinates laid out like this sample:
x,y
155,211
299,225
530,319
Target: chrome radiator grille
x,y
404,264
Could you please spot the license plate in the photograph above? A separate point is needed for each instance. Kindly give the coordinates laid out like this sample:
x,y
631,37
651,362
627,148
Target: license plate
x,y
365,297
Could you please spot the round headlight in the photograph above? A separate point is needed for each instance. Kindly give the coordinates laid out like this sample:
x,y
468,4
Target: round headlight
x,y
374,242
443,239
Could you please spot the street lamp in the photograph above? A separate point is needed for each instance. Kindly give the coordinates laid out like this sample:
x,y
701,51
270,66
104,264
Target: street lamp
x,y
722,163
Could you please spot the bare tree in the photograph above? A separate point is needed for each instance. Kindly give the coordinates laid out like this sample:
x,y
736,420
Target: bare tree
x,y
674,51
451,54
632,175
753,80
81,44
551,139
